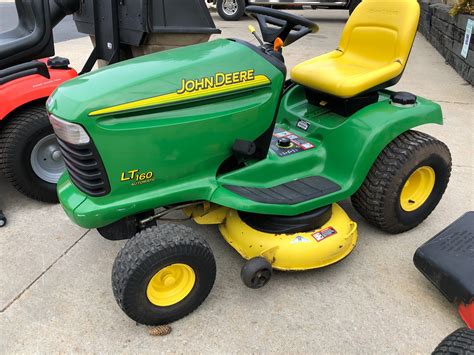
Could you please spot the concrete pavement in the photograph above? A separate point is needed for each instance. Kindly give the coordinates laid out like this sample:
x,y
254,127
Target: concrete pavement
x,y
55,293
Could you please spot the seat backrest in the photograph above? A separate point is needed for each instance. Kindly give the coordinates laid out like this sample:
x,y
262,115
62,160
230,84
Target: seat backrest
x,y
381,31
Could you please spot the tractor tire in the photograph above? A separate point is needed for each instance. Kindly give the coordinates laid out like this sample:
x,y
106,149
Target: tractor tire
x,y
353,5
460,342
29,154
162,274
231,10
385,198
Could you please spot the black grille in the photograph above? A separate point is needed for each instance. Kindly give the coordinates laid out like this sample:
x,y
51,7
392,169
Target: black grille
x,y
85,168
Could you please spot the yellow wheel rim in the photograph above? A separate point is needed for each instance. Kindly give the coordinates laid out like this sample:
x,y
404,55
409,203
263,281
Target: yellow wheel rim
x,y
171,285
417,188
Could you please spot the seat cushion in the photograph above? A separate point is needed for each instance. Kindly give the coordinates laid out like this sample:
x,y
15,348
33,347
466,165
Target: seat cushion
x,y
339,76
372,52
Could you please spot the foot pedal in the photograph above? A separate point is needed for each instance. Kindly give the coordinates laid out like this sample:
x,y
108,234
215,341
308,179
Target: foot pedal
x,y
447,260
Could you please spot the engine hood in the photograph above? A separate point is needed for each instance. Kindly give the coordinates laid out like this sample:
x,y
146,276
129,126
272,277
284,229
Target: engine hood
x,y
165,78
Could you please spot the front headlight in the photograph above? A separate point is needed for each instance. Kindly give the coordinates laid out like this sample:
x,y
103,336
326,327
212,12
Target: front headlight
x,y
69,132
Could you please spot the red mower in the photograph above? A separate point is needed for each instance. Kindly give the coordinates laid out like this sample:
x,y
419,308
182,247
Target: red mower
x,y
29,155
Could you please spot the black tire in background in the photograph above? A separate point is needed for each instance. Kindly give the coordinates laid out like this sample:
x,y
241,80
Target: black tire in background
x,y
353,5
226,14
151,251
3,219
24,129
378,200
460,342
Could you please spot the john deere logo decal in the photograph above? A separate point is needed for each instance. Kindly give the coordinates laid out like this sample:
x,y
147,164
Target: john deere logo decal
x,y
216,81
191,89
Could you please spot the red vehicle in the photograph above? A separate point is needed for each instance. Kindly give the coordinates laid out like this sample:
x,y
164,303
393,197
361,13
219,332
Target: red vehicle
x,y
29,155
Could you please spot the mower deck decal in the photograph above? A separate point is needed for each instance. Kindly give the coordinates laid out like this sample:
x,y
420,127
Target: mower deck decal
x,y
220,84
324,233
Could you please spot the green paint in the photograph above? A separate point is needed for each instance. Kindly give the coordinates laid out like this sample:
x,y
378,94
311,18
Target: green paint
x,y
183,144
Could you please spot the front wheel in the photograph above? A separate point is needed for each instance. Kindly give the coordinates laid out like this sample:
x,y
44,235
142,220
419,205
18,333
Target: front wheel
x,y
29,154
406,182
231,10
162,274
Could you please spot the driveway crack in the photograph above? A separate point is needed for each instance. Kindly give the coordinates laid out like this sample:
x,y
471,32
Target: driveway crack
x,y
43,272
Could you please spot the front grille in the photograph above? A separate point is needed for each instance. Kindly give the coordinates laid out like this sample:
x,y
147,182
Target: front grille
x,y
85,168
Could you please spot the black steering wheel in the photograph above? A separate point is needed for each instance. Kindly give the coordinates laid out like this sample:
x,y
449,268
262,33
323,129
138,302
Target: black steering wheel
x,y
288,27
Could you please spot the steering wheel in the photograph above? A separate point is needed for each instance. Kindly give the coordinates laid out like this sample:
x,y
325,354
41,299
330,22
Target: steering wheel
x,y
288,27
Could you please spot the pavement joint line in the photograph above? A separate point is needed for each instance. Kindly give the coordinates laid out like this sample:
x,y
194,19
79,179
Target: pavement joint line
x,y
463,166
43,272
454,102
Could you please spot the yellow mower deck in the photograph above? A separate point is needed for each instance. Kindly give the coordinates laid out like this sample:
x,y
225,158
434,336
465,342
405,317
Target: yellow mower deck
x,y
299,251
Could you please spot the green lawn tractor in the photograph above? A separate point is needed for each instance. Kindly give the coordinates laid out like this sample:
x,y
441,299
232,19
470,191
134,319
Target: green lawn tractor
x,y
214,130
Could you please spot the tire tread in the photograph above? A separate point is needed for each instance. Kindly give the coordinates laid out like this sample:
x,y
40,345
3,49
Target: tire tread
x,y
374,193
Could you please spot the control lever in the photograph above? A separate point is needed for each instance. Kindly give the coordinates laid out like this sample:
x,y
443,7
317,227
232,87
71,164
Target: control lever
x,y
254,32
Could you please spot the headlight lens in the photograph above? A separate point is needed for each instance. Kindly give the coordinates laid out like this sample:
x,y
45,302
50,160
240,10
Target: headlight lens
x,y
69,132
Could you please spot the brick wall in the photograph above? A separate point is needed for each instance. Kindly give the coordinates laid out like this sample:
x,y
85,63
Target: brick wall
x,y
446,34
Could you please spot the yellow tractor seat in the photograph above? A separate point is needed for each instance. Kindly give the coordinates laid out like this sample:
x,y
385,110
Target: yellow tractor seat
x,y
372,52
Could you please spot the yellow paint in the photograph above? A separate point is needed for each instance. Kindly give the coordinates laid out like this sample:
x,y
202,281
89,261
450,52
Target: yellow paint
x,y
417,188
171,285
298,251
373,49
210,214
208,89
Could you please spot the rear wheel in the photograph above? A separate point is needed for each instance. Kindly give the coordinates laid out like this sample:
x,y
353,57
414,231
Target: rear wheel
x,y
231,10
162,274
29,154
459,342
405,183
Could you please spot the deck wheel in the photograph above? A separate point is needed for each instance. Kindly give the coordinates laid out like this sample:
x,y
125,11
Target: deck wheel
x,y
256,272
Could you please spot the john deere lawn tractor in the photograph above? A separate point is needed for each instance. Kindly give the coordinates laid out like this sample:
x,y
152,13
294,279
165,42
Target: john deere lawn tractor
x,y
215,130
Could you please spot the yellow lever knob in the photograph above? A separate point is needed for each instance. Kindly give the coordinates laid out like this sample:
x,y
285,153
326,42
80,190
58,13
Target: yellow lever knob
x,y
251,29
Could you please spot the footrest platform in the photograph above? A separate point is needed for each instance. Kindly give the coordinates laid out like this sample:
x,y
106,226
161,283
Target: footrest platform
x,y
290,193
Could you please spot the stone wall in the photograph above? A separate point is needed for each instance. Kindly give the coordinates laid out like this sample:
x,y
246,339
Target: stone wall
x,y
446,34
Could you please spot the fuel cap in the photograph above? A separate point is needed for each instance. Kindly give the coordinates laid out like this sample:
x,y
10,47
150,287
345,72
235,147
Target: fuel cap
x,y
284,142
58,63
403,99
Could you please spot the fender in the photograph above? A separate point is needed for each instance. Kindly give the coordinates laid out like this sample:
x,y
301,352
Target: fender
x,y
21,91
346,149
